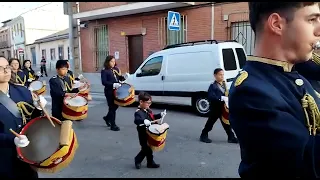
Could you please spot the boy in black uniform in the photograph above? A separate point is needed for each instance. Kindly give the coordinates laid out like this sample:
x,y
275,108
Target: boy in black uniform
x,y
142,118
58,89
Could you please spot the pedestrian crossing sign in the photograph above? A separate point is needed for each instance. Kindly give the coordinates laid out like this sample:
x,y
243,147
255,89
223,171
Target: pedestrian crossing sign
x,y
174,19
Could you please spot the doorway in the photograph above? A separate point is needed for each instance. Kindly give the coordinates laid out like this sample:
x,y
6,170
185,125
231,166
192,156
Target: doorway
x,y
135,47
33,55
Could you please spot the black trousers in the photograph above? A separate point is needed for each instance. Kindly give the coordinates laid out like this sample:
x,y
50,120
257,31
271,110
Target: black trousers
x,y
43,69
21,170
145,151
215,114
111,115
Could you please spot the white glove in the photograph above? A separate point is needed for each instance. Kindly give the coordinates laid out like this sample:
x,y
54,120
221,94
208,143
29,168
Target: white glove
x,y
80,76
224,98
29,80
147,122
163,113
116,85
43,102
22,141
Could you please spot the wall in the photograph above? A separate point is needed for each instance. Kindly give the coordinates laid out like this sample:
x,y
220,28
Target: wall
x,y
47,46
88,6
198,28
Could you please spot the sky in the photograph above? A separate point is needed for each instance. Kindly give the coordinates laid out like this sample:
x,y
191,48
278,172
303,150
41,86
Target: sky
x,y
11,10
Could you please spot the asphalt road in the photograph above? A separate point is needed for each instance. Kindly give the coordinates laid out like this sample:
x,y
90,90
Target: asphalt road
x,y
105,153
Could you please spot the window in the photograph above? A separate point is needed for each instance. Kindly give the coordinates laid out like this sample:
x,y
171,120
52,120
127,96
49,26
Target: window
x,y
100,45
21,29
229,60
14,29
60,52
52,54
43,54
152,67
167,37
241,57
68,53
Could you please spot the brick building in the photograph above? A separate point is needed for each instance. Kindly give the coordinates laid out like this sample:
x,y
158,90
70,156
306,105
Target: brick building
x,y
137,29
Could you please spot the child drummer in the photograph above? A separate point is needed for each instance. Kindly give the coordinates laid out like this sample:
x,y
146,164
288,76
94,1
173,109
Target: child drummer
x,y
58,89
142,118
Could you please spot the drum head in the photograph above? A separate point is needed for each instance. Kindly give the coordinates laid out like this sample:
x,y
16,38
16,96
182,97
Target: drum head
x,y
153,128
76,101
36,85
44,140
123,91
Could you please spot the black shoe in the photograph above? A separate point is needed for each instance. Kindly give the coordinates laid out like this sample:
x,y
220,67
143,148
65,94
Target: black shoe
x,y
137,165
115,128
205,139
153,165
233,140
107,122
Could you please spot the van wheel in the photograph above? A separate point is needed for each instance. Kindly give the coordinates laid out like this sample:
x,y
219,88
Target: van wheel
x,y
201,105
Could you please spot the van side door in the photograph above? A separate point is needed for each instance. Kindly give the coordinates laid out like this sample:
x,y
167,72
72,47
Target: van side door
x,y
149,77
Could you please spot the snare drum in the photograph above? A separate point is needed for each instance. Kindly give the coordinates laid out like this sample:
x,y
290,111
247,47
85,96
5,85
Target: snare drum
x,y
124,95
75,108
38,87
225,114
157,136
45,152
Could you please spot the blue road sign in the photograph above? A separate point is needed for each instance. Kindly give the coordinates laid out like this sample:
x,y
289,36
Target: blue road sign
x,y
174,20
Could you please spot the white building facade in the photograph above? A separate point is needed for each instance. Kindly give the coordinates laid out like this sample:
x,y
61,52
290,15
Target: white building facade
x,y
35,24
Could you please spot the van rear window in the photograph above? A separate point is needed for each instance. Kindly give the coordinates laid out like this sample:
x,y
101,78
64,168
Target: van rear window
x,y
229,60
241,57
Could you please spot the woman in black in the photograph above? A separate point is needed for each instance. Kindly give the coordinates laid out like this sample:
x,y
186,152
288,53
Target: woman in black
x,y
29,72
18,75
111,77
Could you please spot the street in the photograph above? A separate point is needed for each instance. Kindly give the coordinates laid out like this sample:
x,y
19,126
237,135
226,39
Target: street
x,y
105,153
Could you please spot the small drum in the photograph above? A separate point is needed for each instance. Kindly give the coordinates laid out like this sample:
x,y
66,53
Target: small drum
x,y
38,87
157,136
225,114
75,108
51,148
124,95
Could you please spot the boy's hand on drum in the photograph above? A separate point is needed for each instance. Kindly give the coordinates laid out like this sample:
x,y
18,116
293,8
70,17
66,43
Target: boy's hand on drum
x,y
72,95
147,122
43,102
21,141
116,85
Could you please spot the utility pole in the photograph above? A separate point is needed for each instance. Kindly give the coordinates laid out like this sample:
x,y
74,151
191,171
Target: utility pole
x,y
71,37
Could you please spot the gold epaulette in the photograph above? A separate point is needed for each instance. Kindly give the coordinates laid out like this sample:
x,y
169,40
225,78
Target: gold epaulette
x,y
243,76
25,109
316,58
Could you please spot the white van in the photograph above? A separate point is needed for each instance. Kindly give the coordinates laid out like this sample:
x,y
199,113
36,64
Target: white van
x,y
186,71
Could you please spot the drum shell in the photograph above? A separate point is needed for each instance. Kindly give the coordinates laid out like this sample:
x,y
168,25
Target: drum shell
x,y
225,114
74,112
125,93
64,154
157,141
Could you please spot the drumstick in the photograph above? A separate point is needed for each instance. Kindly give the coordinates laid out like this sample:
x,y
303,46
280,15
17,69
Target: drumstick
x,y
16,134
46,113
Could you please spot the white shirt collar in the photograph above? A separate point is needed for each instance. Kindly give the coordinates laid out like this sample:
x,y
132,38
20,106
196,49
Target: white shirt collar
x,y
8,91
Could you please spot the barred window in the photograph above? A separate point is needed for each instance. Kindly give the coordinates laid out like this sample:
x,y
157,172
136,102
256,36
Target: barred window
x,y
100,45
167,37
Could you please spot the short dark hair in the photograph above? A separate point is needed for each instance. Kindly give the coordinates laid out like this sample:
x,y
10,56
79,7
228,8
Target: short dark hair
x,y
217,70
260,11
106,62
61,64
144,96
15,59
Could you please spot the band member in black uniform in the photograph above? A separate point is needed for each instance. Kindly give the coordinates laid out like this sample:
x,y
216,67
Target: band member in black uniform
x,y
58,93
29,72
311,71
71,74
111,77
15,100
216,93
17,74
143,118
274,110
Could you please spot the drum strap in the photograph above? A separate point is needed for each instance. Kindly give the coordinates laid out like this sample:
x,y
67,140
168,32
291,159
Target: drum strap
x,y
10,105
